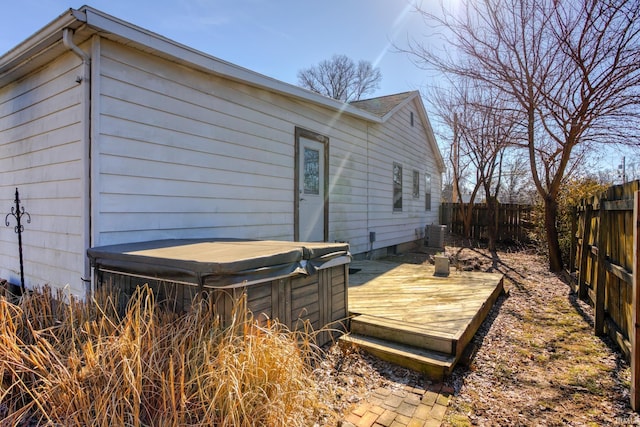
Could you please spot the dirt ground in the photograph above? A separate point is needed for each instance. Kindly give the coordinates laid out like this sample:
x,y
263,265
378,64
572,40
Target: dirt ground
x,y
537,362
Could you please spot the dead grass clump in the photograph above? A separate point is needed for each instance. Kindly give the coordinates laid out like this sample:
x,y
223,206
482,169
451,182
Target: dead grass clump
x,y
83,364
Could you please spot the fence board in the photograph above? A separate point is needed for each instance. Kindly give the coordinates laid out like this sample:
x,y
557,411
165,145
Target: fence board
x,y
601,276
513,221
635,311
607,247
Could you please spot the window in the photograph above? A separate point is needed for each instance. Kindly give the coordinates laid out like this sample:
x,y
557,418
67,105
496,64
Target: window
x,y
397,187
427,192
411,118
416,184
311,171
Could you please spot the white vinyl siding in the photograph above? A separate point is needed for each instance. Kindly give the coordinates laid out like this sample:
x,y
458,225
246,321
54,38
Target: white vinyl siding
x,y
186,154
396,141
41,154
179,152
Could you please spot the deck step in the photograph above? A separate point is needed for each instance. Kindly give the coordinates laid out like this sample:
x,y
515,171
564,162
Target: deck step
x,y
433,364
406,333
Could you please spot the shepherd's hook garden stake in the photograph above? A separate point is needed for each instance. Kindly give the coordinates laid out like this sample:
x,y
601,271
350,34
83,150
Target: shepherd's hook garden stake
x,y
18,212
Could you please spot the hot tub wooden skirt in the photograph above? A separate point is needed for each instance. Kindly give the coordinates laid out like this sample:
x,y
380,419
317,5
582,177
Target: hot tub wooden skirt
x,y
312,292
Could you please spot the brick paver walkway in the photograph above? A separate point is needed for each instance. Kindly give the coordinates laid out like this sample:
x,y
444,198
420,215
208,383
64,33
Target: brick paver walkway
x,y
407,407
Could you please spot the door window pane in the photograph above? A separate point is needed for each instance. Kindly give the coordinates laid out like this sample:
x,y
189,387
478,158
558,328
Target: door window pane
x,y
311,171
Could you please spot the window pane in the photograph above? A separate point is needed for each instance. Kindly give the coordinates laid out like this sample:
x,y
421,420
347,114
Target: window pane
x,y
427,190
416,184
397,187
311,171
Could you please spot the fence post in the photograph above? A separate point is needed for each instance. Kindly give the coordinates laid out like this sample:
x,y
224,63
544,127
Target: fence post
x,y
635,310
584,249
601,282
572,248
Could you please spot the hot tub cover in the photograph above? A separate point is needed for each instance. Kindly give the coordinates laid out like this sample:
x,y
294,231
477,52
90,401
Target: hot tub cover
x,y
216,262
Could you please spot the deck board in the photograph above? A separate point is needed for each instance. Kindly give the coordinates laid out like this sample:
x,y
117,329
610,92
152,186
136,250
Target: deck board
x,y
410,293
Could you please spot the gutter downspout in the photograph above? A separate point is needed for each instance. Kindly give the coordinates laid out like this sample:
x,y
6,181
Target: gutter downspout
x,y
85,80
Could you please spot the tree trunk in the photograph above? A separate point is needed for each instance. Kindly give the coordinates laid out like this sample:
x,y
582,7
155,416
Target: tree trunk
x,y
492,229
550,217
467,218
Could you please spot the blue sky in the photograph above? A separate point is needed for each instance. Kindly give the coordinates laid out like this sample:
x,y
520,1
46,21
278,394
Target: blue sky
x,y
273,37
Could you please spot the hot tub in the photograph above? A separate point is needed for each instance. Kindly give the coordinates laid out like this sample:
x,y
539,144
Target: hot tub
x,y
288,281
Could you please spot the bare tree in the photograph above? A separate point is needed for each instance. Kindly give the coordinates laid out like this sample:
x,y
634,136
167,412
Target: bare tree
x,y
449,106
493,130
482,128
571,69
341,78
517,180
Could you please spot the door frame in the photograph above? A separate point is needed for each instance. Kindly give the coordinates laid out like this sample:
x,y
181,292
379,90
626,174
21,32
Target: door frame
x,y
324,140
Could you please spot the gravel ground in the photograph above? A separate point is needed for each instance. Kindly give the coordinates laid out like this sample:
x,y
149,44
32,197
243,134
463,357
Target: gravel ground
x,y
537,361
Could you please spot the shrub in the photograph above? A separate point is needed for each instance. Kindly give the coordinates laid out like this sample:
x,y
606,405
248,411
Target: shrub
x,y
571,192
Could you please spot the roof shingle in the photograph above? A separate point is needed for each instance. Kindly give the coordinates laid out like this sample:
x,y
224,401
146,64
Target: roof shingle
x,y
382,105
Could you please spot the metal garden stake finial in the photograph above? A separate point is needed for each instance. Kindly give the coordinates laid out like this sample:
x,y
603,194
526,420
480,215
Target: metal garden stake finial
x,y
18,212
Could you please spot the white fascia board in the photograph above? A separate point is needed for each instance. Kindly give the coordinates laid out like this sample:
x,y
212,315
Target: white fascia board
x,y
427,124
401,105
149,40
39,42
431,136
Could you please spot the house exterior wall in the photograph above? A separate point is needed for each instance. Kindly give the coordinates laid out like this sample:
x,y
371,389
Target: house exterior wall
x,y
398,141
177,152
183,153
177,158
41,154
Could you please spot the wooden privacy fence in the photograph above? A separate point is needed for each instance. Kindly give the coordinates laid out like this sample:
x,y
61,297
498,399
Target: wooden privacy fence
x,y
513,220
605,255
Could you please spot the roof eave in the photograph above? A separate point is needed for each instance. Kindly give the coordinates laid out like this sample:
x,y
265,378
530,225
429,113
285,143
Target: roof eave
x,y
109,24
49,36
425,118
40,41
401,105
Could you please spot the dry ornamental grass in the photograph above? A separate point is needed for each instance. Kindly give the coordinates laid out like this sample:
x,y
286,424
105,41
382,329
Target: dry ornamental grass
x,y
83,364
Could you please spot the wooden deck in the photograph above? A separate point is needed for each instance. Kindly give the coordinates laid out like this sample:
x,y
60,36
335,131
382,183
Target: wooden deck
x,y
406,304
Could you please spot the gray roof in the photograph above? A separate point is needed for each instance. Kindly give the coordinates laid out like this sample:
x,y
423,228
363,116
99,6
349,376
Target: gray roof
x,y
382,105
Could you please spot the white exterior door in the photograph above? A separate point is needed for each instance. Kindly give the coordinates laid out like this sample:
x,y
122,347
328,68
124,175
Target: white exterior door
x,y
311,190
